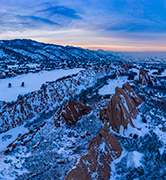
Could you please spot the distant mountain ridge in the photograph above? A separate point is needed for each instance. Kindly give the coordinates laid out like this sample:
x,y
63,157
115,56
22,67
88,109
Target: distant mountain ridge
x,y
51,56
140,57
21,51
104,121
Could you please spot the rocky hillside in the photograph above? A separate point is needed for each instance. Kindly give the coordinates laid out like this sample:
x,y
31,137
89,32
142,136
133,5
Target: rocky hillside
x,y
121,108
104,147
49,97
146,79
105,122
70,113
22,52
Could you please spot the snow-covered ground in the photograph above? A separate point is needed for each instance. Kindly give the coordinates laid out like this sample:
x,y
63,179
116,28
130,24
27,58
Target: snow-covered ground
x,y
32,82
58,144
34,65
163,73
152,71
134,159
135,70
112,84
9,136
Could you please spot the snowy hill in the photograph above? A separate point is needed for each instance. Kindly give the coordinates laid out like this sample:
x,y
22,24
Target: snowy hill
x,y
81,114
48,55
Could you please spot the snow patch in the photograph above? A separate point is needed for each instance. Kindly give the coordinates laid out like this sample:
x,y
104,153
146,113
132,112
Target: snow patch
x,y
134,159
112,84
8,137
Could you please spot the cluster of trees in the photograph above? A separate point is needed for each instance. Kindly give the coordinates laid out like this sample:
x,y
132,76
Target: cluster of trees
x,y
22,85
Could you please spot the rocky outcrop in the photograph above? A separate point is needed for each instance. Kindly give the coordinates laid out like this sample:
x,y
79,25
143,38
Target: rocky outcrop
x,y
121,109
51,96
127,65
70,113
145,78
103,149
124,69
120,71
3,106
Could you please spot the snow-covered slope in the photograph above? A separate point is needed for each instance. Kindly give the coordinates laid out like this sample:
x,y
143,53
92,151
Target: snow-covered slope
x,y
49,97
83,126
18,52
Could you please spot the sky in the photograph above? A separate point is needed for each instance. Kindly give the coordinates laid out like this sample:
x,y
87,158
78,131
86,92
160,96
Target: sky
x,y
115,25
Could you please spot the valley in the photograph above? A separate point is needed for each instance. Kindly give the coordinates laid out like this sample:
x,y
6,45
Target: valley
x,y
84,115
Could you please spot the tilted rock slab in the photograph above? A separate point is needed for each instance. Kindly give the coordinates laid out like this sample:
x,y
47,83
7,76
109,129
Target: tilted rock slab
x,y
70,113
103,149
145,78
121,109
124,69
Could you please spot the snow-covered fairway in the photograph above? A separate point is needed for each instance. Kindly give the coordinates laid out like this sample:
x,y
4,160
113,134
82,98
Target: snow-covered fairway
x,y
33,81
112,84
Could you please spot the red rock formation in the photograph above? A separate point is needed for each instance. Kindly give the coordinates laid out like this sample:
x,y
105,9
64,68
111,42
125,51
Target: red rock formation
x,y
123,69
131,92
120,71
49,98
145,78
122,107
102,114
70,113
127,65
103,149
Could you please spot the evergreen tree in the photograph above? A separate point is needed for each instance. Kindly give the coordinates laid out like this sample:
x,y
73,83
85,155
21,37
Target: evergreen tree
x,y
22,84
9,85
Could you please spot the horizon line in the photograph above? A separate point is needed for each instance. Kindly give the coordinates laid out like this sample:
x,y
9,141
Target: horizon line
x,y
91,47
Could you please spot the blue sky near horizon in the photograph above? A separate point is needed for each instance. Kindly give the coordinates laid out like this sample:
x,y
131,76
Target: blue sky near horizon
x,y
116,25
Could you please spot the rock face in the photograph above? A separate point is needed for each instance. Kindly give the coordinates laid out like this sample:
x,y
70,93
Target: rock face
x,y
49,98
124,69
32,51
121,109
145,78
127,65
70,113
103,149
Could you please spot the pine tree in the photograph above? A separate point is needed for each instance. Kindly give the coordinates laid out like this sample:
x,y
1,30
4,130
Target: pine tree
x,y
22,84
9,85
